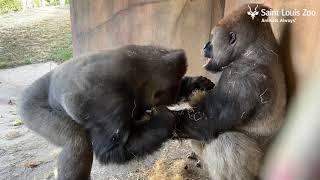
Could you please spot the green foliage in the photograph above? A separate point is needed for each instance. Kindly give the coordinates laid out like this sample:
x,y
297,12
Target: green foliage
x,y
18,122
61,54
28,61
36,3
53,2
56,2
9,6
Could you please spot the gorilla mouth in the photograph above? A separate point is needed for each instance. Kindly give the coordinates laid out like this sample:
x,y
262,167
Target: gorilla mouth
x,y
213,66
207,62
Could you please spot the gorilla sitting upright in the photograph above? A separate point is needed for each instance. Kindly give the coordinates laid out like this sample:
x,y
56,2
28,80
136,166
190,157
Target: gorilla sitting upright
x,y
234,123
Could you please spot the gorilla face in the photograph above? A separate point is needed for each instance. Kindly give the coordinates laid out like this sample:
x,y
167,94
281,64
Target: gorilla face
x,y
220,50
229,41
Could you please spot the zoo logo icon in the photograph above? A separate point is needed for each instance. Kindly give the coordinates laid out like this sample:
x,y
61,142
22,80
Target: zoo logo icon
x,y
254,13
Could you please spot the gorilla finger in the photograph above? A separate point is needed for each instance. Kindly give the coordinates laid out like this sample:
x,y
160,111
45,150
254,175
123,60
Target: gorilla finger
x,y
203,83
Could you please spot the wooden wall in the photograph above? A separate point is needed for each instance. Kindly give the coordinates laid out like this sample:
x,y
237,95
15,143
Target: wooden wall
x,y
187,24
173,23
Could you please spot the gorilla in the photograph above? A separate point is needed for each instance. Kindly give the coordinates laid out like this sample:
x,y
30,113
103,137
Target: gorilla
x,y
97,103
232,125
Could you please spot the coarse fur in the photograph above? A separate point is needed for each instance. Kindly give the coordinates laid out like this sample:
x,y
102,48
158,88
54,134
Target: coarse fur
x,y
234,124
96,103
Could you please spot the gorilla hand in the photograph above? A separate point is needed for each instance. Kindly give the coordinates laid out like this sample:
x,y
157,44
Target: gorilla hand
x,y
201,83
162,117
189,124
191,84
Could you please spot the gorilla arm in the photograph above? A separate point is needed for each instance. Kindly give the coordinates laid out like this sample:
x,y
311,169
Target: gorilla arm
x,y
134,140
116,135
226,106
190,84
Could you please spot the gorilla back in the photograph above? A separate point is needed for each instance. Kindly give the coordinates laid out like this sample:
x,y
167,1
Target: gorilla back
x,y
94,103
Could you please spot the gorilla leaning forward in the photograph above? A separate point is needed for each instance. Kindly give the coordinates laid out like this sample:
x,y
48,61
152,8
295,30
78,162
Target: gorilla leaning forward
x,y
97,103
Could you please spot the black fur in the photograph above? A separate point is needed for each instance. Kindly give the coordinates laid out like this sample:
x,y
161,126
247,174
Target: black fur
x,y
190,84
235,100
97,102
237,119
246,76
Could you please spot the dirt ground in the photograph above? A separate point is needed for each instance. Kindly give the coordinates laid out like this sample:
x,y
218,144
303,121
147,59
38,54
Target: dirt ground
x,y
25,155
34,36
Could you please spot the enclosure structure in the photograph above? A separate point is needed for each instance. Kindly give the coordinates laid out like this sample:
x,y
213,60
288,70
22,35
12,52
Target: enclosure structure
x,y
187,24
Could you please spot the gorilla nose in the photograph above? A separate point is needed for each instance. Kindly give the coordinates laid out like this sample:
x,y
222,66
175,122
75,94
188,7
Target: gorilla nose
x,y
207,50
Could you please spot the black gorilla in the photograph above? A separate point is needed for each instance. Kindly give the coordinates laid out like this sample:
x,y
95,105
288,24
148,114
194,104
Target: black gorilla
x,y
97,102
236,120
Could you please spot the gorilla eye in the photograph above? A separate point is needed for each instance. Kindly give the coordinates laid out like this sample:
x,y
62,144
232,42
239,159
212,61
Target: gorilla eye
x,y
232,37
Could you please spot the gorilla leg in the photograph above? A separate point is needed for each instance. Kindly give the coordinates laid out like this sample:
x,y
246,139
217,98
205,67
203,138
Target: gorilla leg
x,y
228,155
75,160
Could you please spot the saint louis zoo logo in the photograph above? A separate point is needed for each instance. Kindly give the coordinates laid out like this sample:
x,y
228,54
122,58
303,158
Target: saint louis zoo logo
x,y
253,13
281,15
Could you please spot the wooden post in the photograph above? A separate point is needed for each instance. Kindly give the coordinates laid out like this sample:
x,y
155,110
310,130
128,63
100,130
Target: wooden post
x,y
184,24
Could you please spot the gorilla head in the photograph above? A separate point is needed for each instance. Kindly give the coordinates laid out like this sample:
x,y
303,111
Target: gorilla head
x,y
155,73
164,84
231,37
